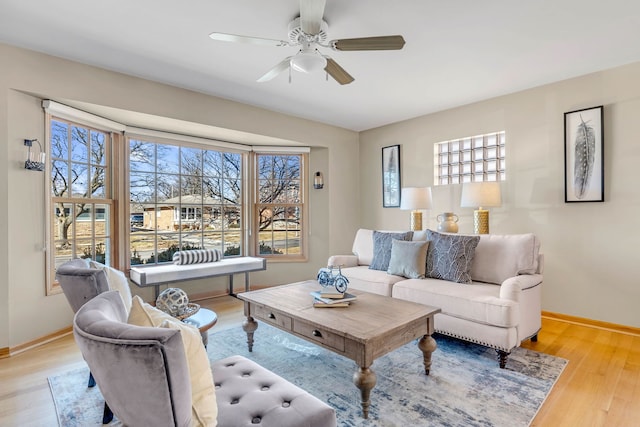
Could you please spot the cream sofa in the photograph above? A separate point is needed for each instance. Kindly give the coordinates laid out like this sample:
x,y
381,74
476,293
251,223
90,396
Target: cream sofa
x,y
500,308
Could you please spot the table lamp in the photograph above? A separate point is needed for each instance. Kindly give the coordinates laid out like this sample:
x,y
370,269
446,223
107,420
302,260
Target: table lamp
x,y
480,194
414,199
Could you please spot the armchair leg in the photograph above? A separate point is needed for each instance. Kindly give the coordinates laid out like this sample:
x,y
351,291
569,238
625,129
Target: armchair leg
x,y
502,358
92,382
107,415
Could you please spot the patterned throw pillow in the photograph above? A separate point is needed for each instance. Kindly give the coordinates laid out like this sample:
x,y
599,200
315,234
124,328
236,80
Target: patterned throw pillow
x,y
196,256
449,256
382,248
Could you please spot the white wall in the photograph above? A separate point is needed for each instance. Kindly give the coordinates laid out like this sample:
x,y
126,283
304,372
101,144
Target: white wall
x,y
26,77
592,266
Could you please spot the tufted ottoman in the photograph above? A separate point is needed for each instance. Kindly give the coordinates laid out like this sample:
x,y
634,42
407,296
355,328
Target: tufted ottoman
x,y
250,395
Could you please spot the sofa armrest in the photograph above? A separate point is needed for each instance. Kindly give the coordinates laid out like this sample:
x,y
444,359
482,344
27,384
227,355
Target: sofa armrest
x,y
513,286
343,261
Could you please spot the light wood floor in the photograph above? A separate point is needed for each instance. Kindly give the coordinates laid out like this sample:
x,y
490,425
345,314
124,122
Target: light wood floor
x,y
599,387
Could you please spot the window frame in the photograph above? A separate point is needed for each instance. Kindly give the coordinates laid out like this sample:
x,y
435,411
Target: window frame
x,y
52,201
302,256
180,142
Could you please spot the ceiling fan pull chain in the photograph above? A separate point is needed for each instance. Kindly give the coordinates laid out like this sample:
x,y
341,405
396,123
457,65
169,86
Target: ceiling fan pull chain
x,y
289,75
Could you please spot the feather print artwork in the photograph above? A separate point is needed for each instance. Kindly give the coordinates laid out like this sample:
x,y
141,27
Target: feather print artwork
x,y
585,148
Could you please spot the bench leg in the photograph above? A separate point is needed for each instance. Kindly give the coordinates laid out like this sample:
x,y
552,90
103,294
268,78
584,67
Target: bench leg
x,y
231,286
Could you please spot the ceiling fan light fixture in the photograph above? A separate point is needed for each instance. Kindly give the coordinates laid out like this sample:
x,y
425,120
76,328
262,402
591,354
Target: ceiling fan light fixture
x,y
308,62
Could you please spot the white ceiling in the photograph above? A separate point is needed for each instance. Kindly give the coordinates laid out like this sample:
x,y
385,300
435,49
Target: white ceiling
x,y
456,52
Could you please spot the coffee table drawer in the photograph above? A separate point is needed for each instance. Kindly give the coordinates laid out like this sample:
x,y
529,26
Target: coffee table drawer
x,y
319,335
271,316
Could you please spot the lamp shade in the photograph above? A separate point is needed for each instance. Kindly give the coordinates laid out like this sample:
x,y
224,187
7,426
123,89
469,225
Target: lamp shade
x,y
413,198
476,194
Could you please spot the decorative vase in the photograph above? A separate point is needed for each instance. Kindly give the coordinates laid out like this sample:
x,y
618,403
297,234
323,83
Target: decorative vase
x,y
447,222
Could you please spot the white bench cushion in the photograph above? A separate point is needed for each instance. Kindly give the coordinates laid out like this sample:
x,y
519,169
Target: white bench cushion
x,y
167,273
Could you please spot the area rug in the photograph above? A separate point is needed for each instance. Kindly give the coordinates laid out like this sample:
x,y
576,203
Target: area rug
x,y
465,388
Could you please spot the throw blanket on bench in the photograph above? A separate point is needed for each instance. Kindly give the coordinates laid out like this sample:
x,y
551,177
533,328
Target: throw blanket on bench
x,y
197,256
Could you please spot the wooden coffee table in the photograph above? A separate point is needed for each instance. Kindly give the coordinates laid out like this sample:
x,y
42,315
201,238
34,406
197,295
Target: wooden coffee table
x,y
370,327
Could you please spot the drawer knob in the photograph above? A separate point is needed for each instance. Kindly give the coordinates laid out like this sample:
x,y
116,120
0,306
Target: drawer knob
x,y
272,316
316,333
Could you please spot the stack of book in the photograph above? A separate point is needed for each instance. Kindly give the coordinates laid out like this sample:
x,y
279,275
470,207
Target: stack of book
x,y
330,298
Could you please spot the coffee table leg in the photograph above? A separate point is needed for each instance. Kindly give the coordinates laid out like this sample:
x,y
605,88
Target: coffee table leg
x,y
427,345
250,325
365,380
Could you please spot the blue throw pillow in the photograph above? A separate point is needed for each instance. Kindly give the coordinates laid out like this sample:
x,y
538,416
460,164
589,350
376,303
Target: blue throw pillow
x,y
449,256
382,248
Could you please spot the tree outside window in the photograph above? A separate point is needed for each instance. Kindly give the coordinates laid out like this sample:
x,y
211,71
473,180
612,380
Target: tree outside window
x,y
81,201
187,197
279,204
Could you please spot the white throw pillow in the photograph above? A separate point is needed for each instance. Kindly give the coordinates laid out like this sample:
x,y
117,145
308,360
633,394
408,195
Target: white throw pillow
x,y
203,397
117,282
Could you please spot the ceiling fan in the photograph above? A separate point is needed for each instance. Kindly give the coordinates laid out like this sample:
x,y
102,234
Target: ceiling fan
x,y
309,31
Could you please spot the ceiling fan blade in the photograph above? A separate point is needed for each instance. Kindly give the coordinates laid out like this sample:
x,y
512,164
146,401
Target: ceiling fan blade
x,y
245,39
280,67
337,72
369,43
311,12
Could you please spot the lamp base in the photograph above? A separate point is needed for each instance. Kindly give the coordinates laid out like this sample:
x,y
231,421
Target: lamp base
x,y
416,220
481,221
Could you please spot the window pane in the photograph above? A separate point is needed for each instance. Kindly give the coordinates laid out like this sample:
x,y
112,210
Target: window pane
x,y
142,156
232,165
191,161
59,179
232,191
98,182
59,140
79,144
168,158
98,148
142,187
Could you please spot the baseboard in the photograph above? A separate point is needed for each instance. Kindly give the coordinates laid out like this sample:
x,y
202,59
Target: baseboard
x,y
12,351
629,330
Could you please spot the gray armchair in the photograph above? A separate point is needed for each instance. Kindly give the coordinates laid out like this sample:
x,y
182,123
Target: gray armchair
x,y
142,371
143,374
80,284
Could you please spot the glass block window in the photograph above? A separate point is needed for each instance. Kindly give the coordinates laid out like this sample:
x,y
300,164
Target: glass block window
x,y
471,159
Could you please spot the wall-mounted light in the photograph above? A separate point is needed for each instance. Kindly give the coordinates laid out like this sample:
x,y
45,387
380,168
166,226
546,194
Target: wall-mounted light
x,y
35,158
318,181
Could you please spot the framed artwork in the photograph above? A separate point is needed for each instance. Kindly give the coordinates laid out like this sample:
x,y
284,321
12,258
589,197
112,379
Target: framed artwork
x,y
584,155
391,176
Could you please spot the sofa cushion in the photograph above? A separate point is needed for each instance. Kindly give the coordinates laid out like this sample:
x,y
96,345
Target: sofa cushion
x,y
363,244
479,303
374,281
408,259
382,248
518,254
204,406
449,256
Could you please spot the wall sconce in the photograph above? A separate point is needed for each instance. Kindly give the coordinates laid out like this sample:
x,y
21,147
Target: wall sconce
x,y
318,181
35,159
